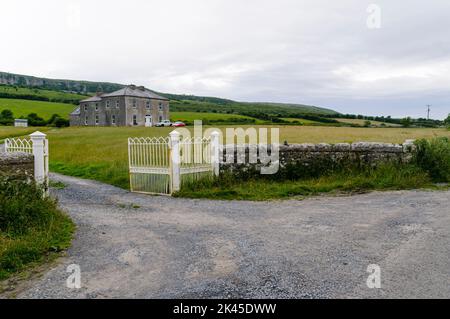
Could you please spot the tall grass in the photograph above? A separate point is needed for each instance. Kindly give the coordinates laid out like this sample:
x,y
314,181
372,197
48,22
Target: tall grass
x,y
433,156
32,229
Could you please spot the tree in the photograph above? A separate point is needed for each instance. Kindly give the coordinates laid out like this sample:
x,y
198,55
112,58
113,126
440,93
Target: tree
x,y
60,122
7,115
53,119
35,120
447,121
406,122
367,124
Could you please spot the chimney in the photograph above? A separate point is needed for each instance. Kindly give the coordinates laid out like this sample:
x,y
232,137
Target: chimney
x,y
142,88
132,86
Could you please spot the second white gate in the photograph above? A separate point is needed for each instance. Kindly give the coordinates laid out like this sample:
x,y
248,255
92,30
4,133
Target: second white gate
x,y
163,165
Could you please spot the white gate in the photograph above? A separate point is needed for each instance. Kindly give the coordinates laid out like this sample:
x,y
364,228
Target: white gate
x,y
163,165
37,145
149,162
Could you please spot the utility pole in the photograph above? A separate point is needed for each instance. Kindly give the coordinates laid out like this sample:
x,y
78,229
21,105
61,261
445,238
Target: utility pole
x,y
429,109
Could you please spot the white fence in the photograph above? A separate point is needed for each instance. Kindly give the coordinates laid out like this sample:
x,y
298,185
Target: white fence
x,y
163,165
36,144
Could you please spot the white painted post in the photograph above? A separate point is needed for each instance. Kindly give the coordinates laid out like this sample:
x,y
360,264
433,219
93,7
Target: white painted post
x,y
38,140
175,160
215,152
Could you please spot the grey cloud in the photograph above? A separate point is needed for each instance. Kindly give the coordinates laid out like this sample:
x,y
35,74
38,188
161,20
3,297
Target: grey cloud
x,y
313,52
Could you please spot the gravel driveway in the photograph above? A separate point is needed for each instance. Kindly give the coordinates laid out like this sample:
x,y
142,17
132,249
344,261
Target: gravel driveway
x,y
136,246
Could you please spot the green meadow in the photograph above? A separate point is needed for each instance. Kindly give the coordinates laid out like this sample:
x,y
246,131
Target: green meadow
x,y
21,108
101,153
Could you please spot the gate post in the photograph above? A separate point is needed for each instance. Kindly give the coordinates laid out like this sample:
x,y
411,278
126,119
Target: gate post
x,y
175,160
215,152
38,140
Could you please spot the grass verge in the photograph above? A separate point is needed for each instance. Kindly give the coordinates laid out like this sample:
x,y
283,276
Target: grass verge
x,y
32,229
385,177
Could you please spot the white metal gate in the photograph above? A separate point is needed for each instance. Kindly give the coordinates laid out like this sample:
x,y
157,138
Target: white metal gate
x,y
149,162
196,160
163,165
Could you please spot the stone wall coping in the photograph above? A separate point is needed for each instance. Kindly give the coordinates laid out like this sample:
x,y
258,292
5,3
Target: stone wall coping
x,y
376,147
15,158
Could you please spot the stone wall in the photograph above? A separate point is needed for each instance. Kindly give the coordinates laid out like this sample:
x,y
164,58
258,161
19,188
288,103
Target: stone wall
x,y
317,156
17,166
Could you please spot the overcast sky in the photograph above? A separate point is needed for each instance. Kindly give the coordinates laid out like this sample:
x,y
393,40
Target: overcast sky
x,y
303,51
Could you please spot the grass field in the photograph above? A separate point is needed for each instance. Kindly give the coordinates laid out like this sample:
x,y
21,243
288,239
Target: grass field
x,y
243,108
192,116
9,131
101,153
302,121
41,108
363,122
95,153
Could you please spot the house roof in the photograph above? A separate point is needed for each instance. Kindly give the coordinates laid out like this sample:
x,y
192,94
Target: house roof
x,y
76,111
96,98
132,90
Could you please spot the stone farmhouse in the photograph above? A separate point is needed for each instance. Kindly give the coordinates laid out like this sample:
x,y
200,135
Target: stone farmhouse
x,y
130,106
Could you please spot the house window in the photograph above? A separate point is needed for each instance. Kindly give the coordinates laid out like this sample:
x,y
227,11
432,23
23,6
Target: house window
x,y
135,120
113,119
160,106
117,104
134,104
107,104
148,105
86,120
85,107
96,106
160,118
96,120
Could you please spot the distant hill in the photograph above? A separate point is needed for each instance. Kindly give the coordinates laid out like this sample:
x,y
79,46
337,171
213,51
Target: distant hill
x,y
71,91
28,93
80,87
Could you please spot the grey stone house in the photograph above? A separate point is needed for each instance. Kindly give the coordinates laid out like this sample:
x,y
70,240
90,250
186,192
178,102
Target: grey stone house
x,y
130,106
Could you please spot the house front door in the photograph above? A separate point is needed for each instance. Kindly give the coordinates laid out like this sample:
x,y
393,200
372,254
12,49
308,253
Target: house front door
x,y
148,121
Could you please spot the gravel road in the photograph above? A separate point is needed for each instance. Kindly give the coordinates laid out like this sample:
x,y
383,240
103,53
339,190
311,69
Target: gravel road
x,y
136,246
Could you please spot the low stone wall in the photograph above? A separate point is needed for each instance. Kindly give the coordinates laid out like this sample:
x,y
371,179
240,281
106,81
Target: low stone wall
x,y
236,159
17,166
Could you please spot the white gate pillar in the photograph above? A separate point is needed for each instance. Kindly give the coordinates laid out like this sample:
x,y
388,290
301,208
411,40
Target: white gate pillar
x,y
38,140
175,159
215,152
